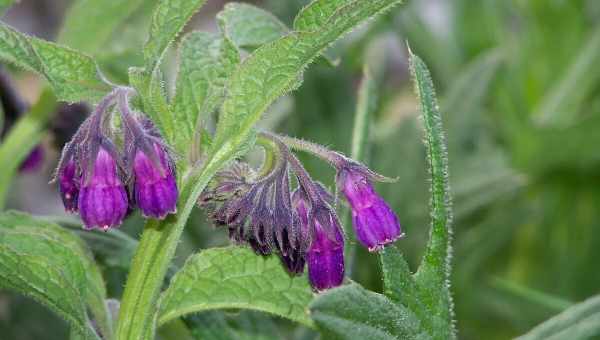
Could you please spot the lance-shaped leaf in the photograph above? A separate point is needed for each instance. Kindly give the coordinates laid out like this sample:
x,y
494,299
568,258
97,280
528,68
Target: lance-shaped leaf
x,y
51,265
234,277
581,321
206,61
273,70
97,19
73,76
434,272
168,20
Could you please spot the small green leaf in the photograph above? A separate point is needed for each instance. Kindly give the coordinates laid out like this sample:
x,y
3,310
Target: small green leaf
x,y
97,19
248,26
352,312
168,20
73,76
205,63
581,321
233,277
434,272
51,265
273,70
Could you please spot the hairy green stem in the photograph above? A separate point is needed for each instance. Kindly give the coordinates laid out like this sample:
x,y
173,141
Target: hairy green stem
x,y
153,257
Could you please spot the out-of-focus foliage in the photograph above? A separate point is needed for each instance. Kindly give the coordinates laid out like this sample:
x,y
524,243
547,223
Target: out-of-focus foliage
x,y
518,83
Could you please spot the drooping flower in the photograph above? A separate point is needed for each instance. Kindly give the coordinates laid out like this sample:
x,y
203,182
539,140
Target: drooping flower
x,y
68,183
325,256
375,224
102,199
155,188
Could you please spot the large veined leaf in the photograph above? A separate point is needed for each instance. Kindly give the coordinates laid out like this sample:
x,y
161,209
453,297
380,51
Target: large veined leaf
x,y
205,63
249,26
234,277
581,321
98,19
168,20
49,264
273,70
72,75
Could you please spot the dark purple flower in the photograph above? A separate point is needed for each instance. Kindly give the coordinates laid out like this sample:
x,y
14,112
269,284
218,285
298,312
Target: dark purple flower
x,y
102,199
326,253
375,224
34,160
68,181
155,187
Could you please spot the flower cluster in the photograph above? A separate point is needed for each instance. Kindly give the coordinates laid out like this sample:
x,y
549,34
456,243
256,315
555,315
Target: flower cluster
x,y
300,226
102,181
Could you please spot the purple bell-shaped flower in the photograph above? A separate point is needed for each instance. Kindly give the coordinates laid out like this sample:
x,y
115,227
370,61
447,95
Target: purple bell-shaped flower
x,y
375,224
155,188
102,199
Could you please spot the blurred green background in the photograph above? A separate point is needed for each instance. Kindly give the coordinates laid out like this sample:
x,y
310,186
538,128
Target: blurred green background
x,y
519,89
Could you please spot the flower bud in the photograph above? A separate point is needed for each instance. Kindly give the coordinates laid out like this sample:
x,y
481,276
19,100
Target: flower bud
x,y
155,187
102,199
68,181
375,224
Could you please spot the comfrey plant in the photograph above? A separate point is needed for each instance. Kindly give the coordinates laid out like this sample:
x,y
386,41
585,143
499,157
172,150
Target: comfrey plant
x,y
145,147
260,210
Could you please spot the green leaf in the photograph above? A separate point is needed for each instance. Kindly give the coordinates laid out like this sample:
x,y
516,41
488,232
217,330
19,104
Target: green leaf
x,y
248,26
399,284
21,139
205,63
434,272
581,321
273,70
51,265
317,13
234,277
168,20
352,312
73,76
98,19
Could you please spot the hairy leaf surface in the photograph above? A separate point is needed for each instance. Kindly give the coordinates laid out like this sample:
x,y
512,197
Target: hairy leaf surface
x,y
51,265
234,277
